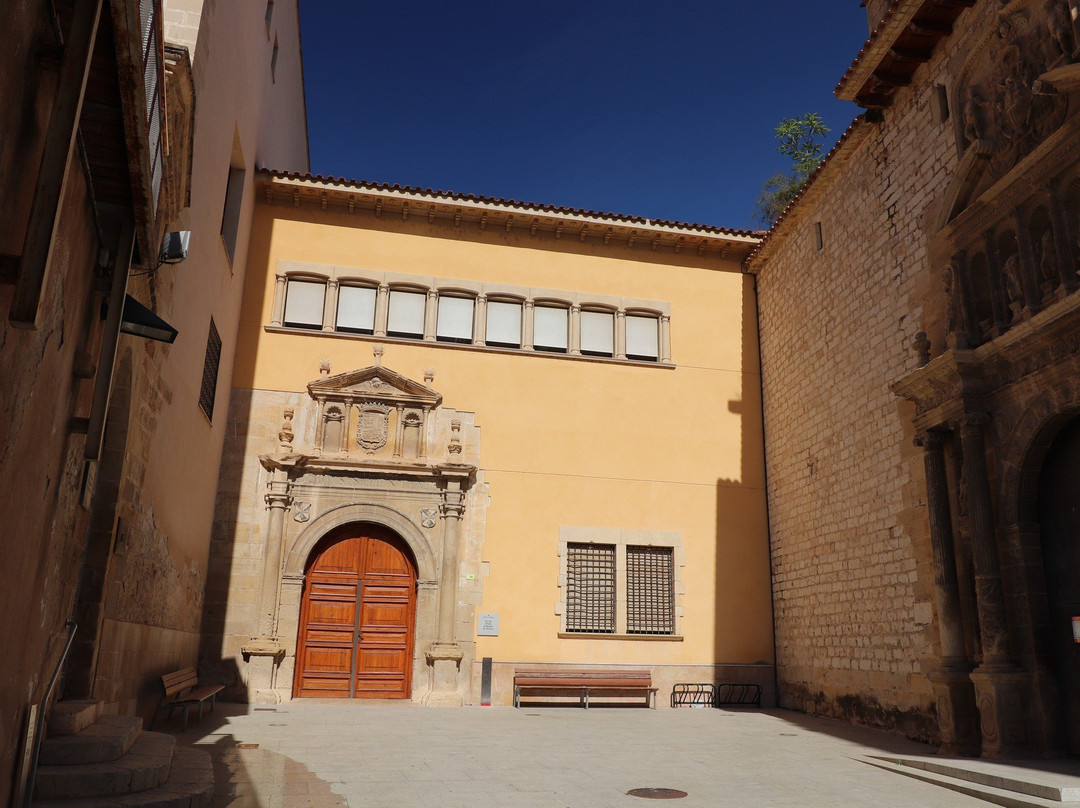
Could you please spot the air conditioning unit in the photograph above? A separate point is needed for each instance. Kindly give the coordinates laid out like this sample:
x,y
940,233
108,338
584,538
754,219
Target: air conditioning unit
x,y
174,247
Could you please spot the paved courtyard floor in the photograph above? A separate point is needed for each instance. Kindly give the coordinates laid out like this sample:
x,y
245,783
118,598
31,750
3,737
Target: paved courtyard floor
x,y
330,754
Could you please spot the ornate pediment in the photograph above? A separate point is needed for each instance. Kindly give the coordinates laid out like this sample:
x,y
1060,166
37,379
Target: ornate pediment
x,y
376,385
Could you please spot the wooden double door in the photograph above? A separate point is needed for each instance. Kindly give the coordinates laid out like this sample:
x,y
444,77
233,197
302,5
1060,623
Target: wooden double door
x,y
357,618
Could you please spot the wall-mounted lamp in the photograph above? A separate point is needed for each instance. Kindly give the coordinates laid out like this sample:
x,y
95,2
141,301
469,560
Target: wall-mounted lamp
x,y
140,321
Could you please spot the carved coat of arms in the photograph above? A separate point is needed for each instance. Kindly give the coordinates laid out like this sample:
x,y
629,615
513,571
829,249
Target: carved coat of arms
x,y
372,428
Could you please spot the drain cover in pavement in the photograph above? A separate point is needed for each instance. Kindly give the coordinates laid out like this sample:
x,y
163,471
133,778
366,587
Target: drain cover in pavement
x,y
657,793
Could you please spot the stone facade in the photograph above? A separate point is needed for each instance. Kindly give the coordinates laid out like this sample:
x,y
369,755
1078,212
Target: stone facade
x,y
917,380
281,493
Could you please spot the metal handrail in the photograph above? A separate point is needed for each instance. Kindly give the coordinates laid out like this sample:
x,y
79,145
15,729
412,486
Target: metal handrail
x,y
40,726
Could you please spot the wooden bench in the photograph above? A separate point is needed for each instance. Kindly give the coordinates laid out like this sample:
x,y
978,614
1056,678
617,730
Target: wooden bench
x,y
583,683
182,690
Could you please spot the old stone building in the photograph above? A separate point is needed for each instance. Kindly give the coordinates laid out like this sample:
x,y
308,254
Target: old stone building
x,y
401,431
465,428
919,390
119,127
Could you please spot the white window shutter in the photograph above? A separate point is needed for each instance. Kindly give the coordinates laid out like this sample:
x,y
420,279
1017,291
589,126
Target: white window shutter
x,y
406,314
304,303
503,323
642,337
550,327
598,332
455,320
356,308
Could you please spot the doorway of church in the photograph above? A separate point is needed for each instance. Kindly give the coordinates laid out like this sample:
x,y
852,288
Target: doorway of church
x,y
1059,522
357,617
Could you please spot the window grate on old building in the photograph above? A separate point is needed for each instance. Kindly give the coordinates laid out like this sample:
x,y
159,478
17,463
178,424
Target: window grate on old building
x,y
210,371
650,590
590,588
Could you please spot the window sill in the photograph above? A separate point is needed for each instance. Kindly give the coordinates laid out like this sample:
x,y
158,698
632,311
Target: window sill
x,y
454,346
633,637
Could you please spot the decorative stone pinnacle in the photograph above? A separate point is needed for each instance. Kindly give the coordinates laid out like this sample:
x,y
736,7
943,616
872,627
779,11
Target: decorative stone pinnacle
x,y
324,368
378,351
922,348
455,437
285,435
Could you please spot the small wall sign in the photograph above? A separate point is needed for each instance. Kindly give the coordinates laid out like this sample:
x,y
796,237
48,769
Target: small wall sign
x,y
487,625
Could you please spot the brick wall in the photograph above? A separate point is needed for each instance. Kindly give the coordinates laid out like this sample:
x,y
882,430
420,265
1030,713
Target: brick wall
x,y
852,572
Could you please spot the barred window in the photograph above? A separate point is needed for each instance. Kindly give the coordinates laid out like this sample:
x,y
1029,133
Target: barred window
x,y
650,586
210,371
590,588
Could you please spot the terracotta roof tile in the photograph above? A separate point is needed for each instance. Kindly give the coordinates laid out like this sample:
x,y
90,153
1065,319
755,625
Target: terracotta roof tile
x,y
451,196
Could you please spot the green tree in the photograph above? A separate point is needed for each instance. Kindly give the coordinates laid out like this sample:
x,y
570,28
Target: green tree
x,y
801,139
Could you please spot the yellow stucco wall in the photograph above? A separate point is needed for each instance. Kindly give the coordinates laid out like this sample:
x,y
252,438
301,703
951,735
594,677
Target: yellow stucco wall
x,y
567,441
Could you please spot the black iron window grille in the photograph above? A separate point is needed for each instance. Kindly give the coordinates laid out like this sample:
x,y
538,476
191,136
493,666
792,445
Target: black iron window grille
x,y
590,588
208,390
650,590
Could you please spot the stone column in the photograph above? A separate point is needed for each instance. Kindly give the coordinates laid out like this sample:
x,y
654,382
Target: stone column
x,y
329,317
958,717
277,499
382,309
527,326
431,314
1030,271
620,334
399,430
279,300
575,329
665,338
445,654
1062,244
480,320
997,284
999,685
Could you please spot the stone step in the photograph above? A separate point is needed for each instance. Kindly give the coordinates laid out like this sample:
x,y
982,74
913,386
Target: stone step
x,y
1052,780
1004,797
108,738
145,766
190,785
72,717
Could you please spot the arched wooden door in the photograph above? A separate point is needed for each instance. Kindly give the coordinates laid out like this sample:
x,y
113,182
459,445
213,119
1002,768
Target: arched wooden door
x,y
357,618
1059,520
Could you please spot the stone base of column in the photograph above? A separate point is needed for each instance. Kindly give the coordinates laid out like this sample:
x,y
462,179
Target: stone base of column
x,y
1001,694
958,715
445,661
263,655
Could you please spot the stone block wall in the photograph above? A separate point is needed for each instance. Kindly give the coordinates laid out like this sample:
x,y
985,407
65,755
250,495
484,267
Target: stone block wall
x,y
846,280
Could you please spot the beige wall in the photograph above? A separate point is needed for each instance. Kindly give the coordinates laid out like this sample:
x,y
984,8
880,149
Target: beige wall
x,y
564,442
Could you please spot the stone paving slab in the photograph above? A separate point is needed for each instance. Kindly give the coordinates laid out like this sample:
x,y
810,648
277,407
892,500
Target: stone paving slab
x,y
333,754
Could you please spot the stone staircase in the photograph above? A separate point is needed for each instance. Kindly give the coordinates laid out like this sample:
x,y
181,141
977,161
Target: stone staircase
x,y
1013,784
92,760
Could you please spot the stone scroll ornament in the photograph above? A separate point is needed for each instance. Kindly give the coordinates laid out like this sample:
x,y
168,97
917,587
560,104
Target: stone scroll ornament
x,y
372,429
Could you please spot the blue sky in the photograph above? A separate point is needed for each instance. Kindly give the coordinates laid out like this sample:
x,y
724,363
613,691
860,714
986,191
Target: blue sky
x,y
664,110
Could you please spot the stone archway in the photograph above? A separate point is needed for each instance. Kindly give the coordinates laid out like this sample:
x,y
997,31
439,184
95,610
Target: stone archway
x,y
424,556
427,564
